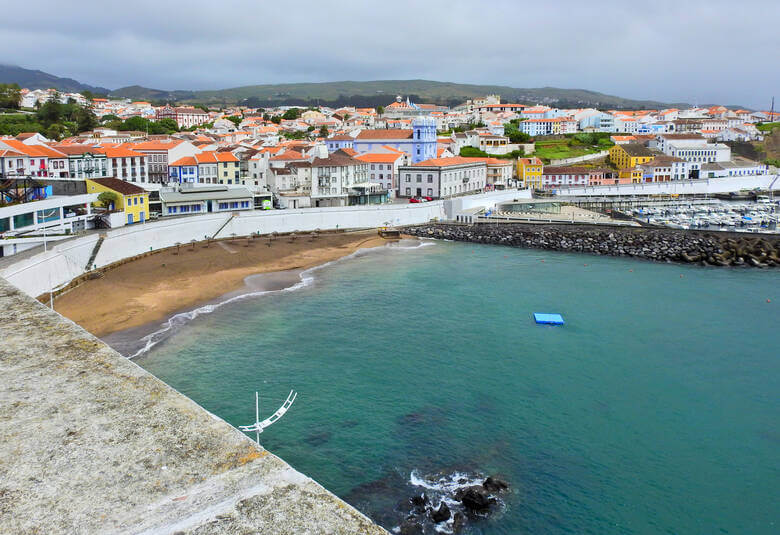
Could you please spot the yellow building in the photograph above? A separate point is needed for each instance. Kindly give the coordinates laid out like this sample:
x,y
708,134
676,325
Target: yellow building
x,y
630,175
529,172
630,155
131,199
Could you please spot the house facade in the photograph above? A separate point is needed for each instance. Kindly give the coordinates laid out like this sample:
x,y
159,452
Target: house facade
x,y
442,177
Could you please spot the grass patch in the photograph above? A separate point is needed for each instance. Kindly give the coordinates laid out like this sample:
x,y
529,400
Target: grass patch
x,y
767,127
571,146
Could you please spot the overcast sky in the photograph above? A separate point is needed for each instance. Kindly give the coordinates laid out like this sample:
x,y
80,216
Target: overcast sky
x,y
697,51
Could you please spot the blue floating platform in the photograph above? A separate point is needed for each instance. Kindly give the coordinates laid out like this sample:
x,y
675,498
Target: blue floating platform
x,y
548,319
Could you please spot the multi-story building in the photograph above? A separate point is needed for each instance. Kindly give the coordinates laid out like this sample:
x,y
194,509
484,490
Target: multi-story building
x,y
133,200
664,168
499,173
383,167
442,177
36,160
630,155
126,164
185,116
340,180
529,172
159,153
84,161
419,142
554,176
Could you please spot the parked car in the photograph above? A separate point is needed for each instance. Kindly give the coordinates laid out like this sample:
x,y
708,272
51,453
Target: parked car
x,y
428,198
414,199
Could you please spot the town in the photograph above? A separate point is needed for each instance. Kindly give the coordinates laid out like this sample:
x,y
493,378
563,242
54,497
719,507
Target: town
x,y
240,158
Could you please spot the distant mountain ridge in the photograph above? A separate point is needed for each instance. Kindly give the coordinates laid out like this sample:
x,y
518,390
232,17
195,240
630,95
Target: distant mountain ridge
x,y
365,93
32,79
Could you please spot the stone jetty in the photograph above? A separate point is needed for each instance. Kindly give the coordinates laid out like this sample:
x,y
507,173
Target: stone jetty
x,y
662,245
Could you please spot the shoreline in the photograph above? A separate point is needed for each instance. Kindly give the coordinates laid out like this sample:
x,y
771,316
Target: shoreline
x,y
149,291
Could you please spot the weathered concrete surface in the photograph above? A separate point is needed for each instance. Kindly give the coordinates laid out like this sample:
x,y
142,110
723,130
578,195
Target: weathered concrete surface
x,y
92,443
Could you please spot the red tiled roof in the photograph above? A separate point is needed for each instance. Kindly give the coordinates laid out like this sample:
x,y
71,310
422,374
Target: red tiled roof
x,y
125,188
386,133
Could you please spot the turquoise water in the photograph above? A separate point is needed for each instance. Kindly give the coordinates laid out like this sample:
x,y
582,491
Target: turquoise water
x,y
653,410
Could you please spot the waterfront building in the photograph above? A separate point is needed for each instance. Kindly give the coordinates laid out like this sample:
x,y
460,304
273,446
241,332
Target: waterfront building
x,y
499,173
341,179
738,166
630,155
556,176
383,167
442,177
187,199
664,168
529,172
84,161
133,200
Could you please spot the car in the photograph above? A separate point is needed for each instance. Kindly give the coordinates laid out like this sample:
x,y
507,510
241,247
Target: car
x,y
414,199
428,198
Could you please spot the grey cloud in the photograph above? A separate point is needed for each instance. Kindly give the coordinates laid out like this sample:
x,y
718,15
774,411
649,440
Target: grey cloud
x,y
697,51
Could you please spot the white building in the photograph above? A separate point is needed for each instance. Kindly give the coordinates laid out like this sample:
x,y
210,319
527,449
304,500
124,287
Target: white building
x,y
442,177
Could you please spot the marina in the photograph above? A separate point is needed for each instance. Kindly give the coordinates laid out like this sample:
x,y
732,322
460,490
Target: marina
x,y
760,216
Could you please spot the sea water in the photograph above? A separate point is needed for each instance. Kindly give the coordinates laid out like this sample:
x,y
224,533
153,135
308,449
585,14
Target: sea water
x,y
653,410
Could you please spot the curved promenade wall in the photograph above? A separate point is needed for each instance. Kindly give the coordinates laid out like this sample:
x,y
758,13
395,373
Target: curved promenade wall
x,y
39,273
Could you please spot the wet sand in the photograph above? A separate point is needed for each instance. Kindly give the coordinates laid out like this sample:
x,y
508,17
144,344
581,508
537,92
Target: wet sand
x,y
155,287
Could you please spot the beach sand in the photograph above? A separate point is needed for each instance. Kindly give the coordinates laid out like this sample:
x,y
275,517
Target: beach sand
x,y
153,288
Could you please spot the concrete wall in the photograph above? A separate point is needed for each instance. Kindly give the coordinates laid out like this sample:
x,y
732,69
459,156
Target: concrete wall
x,y
65,261
585,158
680,187
457,205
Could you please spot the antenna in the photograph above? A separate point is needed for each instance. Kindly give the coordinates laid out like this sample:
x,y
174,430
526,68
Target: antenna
x,y
258,426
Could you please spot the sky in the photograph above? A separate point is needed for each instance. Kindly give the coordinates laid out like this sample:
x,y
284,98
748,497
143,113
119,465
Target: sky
x,y
696,51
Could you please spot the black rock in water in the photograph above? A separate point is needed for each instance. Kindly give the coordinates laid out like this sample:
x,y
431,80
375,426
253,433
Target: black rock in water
x,y
477,499
419,502
494,484
442,514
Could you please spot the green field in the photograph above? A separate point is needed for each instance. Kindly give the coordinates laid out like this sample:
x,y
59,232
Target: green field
x,y
571,146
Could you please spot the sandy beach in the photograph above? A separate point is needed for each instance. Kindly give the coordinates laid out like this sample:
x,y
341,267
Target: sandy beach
x,y
153,288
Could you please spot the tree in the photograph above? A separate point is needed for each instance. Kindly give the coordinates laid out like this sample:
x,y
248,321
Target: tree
x,y
276,119
50,112
324,131
291,114
85,119
234,119
10,96
380,110
108,198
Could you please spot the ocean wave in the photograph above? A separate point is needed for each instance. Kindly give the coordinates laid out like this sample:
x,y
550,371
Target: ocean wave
x,y
307,279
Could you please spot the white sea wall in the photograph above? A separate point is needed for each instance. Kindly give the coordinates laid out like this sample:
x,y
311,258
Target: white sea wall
x,y
63,262
699,186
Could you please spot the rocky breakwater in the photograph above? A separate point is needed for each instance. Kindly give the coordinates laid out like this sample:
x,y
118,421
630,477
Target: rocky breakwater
x,y
663,245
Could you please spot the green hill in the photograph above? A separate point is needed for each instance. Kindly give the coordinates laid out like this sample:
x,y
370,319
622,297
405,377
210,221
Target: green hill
x,y
376,92
32,79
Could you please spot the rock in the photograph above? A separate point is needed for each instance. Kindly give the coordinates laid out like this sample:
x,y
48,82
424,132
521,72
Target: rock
x,y
494,484
419,502
442,514
476,499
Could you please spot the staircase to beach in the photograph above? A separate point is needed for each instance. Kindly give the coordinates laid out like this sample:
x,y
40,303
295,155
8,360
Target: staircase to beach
x,y
94,254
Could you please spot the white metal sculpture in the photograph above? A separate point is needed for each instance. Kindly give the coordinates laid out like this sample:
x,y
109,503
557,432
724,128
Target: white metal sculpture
x,y
258,426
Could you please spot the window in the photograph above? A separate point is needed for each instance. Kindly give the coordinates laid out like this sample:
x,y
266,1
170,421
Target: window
x,y
419,178
196,208
408,177
171,209
224,206
408,191
185,209
430,192
430,179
